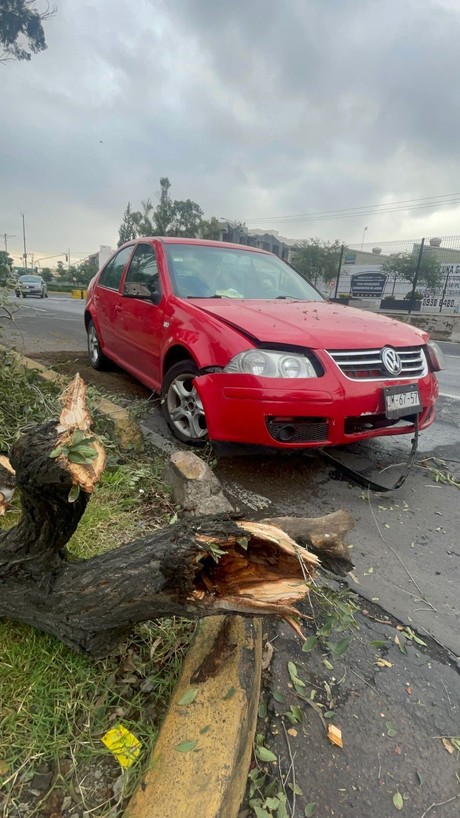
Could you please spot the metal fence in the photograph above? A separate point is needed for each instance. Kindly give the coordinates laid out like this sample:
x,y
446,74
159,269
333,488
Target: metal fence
x,y
420,275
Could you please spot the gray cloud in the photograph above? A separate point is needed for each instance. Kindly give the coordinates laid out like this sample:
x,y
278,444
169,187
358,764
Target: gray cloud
x,y
252,109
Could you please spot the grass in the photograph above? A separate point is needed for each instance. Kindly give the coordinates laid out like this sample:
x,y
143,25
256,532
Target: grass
x,y
56,705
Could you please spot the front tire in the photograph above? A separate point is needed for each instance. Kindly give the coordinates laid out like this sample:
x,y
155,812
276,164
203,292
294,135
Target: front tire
x,y
182,406
97,358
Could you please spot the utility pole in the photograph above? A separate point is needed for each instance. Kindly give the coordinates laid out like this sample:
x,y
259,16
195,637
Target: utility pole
x,y
7,236
24,239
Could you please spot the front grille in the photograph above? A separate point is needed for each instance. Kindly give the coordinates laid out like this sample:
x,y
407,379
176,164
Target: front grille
x,y
298,429
366,364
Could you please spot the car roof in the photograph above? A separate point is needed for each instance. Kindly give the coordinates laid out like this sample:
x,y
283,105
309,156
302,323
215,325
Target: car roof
x,y
200,243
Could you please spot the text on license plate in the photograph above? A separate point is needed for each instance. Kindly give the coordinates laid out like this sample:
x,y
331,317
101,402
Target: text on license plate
x,y
401,400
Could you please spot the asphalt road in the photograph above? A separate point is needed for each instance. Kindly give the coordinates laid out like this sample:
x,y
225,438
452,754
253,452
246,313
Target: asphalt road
x,y
52,323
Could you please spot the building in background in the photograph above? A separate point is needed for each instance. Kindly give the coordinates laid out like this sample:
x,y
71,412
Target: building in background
x,y
99,259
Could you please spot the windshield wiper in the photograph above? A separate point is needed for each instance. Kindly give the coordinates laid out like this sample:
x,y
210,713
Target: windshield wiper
x,y
205,296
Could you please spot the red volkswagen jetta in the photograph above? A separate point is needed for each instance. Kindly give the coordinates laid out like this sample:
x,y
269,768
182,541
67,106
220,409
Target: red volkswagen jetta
x,y
243,350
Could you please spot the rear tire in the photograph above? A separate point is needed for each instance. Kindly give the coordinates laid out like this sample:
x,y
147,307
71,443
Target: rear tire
x,y
97,358
182,407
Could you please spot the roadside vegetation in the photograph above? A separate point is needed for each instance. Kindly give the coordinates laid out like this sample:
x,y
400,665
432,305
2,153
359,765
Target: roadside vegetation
x,y
57,705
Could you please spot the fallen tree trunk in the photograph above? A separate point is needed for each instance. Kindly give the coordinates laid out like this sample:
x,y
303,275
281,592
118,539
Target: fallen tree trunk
x,y
192,569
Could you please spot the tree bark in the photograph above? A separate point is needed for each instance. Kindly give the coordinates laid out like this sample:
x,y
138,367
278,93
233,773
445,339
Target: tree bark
x,y
192,569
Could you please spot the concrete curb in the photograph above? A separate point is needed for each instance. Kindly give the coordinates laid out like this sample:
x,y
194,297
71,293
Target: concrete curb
x,y
128,431
208,781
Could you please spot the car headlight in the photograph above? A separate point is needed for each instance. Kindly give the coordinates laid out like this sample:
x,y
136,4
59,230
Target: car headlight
x,y
435,356
267,363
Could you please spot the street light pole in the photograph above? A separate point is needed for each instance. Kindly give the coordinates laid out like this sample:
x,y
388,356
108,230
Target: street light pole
x,y
24,239
362,241
7,236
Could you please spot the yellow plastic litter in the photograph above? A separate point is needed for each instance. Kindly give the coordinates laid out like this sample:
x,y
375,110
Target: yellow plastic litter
x,y
123,744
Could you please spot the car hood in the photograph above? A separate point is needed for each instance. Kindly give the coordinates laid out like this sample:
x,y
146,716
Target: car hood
x,y
313,324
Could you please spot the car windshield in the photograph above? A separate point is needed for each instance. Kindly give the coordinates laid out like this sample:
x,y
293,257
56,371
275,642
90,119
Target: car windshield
x,y
30,279
200,271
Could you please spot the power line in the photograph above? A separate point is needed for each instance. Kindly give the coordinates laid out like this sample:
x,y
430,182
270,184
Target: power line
x,y
366,210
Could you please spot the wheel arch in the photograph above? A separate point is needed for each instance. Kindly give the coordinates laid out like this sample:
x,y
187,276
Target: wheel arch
x,y
175,355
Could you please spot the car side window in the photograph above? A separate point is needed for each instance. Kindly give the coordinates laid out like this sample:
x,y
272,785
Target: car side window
x,y
113,271
142,278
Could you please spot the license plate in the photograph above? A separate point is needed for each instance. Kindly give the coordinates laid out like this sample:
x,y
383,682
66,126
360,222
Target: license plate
x,y
401,400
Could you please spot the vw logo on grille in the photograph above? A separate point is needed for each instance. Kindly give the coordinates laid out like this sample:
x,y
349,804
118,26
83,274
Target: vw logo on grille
x,y
391,361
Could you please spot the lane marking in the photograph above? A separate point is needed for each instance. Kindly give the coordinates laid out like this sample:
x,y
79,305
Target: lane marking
x,y
449,395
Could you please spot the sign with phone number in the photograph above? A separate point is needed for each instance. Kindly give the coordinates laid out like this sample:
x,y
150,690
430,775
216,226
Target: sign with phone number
x,y
437,302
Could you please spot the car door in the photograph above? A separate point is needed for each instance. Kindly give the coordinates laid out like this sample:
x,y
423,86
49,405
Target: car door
x,y
140,321
108,300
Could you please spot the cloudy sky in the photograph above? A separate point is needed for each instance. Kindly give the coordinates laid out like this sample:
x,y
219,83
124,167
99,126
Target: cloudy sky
x,y
258,110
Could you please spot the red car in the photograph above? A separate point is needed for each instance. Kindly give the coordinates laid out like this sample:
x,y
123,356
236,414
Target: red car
x,y
243,350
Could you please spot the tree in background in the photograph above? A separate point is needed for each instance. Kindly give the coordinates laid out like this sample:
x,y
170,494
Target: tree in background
x,y
210,229
404,266
46,274
62,271
6,266
169,218
127,229
83,274
164,212
316,259
186,221
21,29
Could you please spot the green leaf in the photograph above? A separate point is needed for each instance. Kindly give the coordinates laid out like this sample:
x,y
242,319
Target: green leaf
x,y
264,754
309,644
188,697
261,813
58,451
243,542
271,803
262,710
279,697
398,800
205,730
85,450
378,643
292,670
216,552
296,713
281,812
76,457
74,493
329,714
295,789
327,664
339,648
186,746
77,436
391,729
455,741
310,809
230,693
420,778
